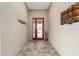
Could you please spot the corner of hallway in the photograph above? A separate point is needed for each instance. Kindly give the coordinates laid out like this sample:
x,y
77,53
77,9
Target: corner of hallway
x,y
17,37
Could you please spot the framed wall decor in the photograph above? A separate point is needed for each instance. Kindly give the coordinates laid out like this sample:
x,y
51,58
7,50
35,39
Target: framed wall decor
x,y
76,12
70,15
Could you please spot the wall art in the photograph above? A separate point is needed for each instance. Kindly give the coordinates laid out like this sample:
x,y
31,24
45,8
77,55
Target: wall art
x,y
70,15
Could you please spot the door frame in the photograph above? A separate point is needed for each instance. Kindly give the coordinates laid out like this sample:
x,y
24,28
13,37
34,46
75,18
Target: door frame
x,y
36,29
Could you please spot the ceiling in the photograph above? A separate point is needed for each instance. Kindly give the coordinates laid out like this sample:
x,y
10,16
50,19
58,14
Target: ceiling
x,y
38,5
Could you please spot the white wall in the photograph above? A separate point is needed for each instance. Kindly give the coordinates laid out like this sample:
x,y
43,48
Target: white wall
x,y
37,13
14,34
65,38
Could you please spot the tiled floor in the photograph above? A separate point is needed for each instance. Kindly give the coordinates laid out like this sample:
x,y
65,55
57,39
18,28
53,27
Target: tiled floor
x,y
38,48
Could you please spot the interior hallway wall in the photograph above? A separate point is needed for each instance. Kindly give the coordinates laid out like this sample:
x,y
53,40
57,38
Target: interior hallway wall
x,y
37,13
14,34
65,38
0,37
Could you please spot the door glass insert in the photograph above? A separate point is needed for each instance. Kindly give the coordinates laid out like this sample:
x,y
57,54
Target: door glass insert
x,y
39,28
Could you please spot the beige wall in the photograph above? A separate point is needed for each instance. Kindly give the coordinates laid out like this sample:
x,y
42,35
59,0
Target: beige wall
x,y
65,38
37,13
0,37
0,47
0,41
14,34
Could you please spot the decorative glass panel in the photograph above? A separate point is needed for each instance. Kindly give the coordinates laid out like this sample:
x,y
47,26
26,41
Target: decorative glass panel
x,y
39,28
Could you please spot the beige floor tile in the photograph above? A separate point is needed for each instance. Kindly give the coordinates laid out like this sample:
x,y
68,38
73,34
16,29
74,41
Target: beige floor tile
x,y
38,48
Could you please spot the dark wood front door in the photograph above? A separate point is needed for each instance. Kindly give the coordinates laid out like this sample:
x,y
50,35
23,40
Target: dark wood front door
x,y
38,28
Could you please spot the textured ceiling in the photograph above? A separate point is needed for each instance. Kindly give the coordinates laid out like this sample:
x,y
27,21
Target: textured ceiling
x,y
38,5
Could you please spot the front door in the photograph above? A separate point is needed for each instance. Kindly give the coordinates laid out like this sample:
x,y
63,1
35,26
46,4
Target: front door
x,y
38,28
